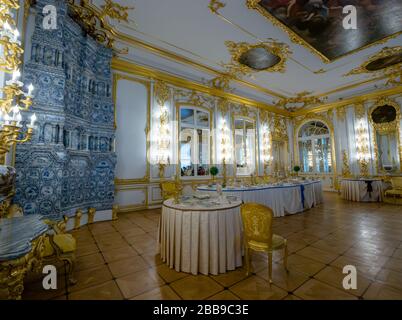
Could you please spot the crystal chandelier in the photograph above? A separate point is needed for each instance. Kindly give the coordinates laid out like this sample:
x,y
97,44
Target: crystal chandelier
x,y
13,98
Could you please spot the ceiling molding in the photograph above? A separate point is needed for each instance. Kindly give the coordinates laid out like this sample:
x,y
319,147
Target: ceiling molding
x,y
127,39
129,67
93,20
386,52
370,96
351,86
177,58
305,98
184,60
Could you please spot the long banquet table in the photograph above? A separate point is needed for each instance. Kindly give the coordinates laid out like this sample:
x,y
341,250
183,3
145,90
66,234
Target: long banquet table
x,y
201,236
288,198
362,190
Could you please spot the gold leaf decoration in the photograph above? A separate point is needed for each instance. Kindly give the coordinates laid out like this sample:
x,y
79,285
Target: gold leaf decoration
x,y
215,5
162,92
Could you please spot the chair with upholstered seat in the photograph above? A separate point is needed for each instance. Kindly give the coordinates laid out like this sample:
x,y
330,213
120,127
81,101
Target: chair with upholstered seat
x,y
259,180
269,179
258,236
394,195
60,246
170,189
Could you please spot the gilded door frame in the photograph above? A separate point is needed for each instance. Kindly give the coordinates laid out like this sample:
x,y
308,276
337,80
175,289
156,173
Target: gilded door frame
x,y
313,117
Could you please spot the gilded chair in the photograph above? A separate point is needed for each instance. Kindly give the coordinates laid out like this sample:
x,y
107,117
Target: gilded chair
x,y
170,189
60,246
259,180
268,179
394,195
258,236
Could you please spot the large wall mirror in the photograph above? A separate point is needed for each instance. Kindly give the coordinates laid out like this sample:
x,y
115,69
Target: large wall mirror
x,y
245,146
279,156
385,120
194,141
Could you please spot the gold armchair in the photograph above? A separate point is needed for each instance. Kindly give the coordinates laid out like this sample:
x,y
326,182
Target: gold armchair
x,y
259,180
258,236
170,189
394,195
268,179
61,246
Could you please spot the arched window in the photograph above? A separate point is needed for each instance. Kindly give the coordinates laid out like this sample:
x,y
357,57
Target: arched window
x,y
315,148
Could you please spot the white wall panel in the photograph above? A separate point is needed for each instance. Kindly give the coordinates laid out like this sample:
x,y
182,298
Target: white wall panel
x,y
156,194
131,120
131,198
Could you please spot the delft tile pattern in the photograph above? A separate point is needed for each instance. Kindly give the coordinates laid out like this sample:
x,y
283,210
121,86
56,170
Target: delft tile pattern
x,y
70,162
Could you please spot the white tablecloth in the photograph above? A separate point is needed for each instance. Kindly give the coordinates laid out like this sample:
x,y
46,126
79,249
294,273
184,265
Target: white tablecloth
x,y
287,199
356,190
200,240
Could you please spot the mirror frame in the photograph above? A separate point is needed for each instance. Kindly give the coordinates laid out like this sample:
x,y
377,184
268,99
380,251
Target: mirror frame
x,y
249,119
179,105
388,127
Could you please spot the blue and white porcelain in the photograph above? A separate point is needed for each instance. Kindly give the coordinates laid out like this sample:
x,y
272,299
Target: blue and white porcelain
x,y
70,162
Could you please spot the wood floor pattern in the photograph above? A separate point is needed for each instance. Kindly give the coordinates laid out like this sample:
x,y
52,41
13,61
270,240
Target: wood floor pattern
x,y
120,260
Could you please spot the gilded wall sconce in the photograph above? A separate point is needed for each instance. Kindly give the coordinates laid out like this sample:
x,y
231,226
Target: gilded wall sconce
x,y
14,98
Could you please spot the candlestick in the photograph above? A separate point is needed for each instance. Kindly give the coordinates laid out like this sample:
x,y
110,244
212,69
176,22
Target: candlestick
x,y
19,119
16,75
16,111
16,35
30,89
6,26
33,119
11,57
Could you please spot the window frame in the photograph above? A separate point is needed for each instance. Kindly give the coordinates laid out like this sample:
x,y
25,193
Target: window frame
x,y
314,139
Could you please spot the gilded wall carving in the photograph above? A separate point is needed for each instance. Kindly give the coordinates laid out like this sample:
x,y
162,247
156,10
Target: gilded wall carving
x,y
194,98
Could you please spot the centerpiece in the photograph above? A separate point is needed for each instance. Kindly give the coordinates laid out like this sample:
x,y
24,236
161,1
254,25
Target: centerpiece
x,y
213,171
296,169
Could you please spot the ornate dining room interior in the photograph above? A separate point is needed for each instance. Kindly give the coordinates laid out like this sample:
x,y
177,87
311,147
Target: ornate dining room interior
x,y
200,149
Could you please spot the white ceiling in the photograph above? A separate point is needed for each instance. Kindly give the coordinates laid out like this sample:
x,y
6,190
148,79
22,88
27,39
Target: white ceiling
x,y
188,29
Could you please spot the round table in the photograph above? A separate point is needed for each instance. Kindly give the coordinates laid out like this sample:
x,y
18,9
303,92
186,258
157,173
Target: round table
x,y
21,249
362,190
197,238
287,198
